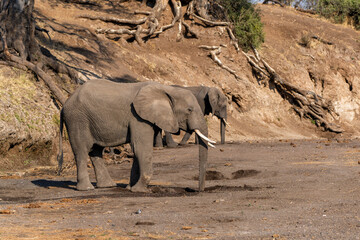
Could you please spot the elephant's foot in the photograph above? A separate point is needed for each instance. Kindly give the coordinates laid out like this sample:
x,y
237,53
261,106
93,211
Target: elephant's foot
x,y
182,143
158,144
84,186
172,145
106,183
139,188
158,148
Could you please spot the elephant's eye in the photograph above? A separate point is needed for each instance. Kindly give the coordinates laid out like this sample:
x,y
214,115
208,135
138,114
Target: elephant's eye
x,y
190,109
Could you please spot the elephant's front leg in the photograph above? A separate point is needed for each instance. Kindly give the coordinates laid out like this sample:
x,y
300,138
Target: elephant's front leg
x,y
185,138
103,178
158,138
142,146
169,140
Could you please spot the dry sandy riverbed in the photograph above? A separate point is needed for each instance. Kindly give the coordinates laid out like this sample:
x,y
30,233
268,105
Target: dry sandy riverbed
x,y
256,190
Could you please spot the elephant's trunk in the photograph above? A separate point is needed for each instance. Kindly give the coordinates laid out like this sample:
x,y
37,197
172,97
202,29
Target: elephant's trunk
x,y
222,130
203,155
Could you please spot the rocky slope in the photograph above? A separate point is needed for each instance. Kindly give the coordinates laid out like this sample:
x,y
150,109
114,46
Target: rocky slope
x,y
257,111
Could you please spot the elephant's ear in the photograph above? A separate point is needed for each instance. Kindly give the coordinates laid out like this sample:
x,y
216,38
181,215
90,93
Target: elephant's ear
x,y
213,95
154,105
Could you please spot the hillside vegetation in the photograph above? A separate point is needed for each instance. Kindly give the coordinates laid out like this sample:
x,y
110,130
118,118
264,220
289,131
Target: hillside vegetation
x,y
308,51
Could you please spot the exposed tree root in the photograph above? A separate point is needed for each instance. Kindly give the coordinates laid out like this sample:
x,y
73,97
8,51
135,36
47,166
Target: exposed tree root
x,y
39,72
215,51
84,2
305,103
149,26
211,23
188,30
115,20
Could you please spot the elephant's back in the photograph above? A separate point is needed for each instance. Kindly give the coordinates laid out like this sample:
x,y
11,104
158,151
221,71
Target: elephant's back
x,y
104,92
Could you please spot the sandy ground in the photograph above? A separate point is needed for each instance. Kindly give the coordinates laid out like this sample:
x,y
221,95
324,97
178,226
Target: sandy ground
x,y
255,190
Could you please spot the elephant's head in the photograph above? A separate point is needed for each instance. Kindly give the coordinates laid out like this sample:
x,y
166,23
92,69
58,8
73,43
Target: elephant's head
x,y
218,104
172,109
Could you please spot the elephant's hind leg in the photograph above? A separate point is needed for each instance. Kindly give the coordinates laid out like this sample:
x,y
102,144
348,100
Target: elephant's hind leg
x,y
83,180
103,179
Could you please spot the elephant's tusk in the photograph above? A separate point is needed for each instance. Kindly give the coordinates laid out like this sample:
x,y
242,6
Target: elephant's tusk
x,y
203,136
226,123
210,145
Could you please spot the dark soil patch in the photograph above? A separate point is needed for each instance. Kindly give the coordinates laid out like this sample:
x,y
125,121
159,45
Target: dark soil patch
x,y
244,173
214,175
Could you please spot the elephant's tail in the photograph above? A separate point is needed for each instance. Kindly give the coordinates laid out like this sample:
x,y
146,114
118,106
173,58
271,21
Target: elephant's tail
x,y
60,156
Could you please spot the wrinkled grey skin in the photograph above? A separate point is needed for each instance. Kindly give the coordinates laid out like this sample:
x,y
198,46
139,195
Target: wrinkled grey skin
x,y
102,113
211,100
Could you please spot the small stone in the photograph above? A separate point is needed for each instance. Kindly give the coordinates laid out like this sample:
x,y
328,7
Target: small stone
x,y
138,211
32,205
221,149
186,228
134,234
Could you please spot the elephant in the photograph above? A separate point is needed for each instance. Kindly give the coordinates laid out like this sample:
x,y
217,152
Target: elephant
x,y
102,113
211,100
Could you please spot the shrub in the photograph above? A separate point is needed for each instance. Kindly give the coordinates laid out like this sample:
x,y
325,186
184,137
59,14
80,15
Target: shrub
x,y
341,11
246,21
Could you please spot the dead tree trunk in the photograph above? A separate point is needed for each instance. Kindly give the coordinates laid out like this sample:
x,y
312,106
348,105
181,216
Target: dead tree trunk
x,y
18,26
18,46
